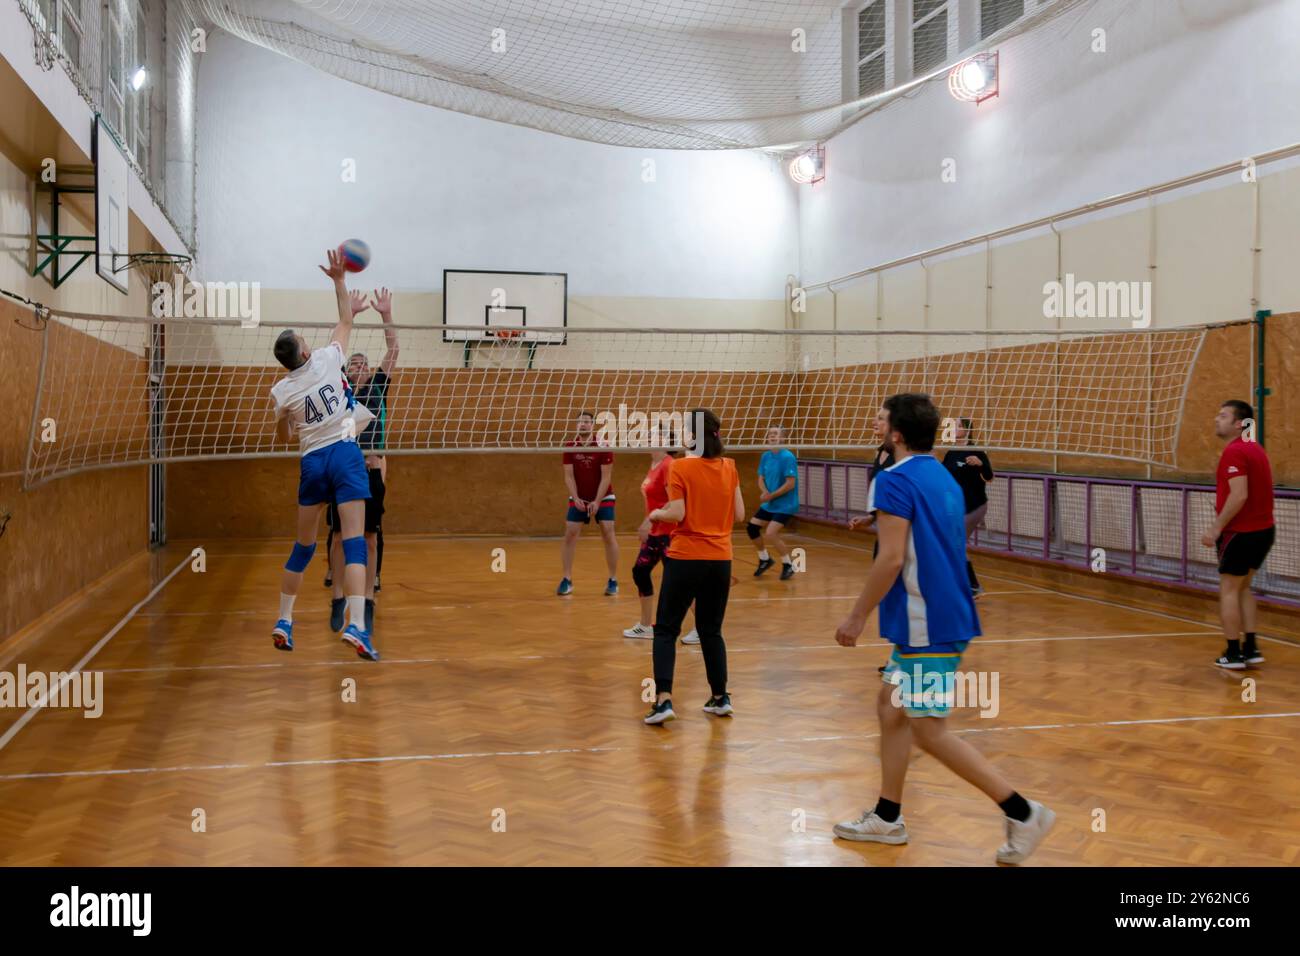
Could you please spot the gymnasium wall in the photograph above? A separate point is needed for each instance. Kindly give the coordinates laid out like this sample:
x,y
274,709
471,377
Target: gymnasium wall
x,y
504,494
1180,87
68,533
294,161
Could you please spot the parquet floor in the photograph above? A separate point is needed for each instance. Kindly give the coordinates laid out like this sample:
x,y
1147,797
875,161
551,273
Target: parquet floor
x,y
503,727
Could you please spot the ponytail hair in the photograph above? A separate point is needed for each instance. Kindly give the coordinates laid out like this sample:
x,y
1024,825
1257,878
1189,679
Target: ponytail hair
x,y
710,443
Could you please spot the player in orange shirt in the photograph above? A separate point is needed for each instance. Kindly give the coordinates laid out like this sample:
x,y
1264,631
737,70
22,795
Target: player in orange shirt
x,y
704,500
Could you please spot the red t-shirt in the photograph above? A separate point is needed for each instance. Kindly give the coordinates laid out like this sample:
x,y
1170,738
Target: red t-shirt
x,y
655,490
586,468
1246,458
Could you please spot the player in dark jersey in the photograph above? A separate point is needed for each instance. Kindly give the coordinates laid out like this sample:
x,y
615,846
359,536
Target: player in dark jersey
x,y
370,388
972,471
589,475
1243,531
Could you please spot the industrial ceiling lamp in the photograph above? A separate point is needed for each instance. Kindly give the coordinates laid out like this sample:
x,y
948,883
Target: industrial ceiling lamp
x,y
809,167
976,79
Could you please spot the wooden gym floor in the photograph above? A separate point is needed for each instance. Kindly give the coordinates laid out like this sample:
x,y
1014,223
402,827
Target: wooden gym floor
x,y
497,701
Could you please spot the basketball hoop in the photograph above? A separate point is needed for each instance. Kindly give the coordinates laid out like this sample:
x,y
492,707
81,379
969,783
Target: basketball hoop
x,y
507,336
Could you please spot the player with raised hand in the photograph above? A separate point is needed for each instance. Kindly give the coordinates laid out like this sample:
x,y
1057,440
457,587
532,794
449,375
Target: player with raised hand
x,y
315,402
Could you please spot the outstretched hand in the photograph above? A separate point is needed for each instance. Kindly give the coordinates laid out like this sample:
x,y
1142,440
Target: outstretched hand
x,y
382,302
335,270
357,300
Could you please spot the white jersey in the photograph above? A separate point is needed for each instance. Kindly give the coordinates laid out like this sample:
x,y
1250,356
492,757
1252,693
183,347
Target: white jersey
x,y
319,401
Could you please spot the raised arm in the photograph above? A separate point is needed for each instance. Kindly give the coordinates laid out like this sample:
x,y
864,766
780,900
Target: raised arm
x,y
383,304
336,272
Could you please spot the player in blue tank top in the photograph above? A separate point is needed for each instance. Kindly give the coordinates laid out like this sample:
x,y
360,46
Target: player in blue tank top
x,y
778,484
919,582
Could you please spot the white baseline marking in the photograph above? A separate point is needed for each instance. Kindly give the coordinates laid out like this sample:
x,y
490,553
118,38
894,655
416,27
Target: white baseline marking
x,y
402,758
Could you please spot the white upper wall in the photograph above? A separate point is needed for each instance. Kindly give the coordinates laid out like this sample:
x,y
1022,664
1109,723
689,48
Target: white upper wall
x,y
1182,86
437,189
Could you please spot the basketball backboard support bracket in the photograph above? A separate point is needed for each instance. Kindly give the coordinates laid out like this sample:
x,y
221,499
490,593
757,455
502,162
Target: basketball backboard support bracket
x,y
49,251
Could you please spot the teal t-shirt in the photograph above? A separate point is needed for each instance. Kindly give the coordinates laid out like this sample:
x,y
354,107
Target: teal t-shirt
x,y
774,467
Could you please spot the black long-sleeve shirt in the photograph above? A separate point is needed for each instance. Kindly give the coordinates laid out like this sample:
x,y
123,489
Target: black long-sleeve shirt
x,y
971,479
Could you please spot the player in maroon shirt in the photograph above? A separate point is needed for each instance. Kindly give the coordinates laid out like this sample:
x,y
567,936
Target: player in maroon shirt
x,y
1242,532
590,478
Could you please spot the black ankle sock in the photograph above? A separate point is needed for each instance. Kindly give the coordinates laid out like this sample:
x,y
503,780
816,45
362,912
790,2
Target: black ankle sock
x,y
1016,807
888,810
1250,641
1234,647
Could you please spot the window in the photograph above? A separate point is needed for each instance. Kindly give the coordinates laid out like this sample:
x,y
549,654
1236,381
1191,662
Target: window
x,y
72,32
929,35
115,81
140,98
871,48
996,14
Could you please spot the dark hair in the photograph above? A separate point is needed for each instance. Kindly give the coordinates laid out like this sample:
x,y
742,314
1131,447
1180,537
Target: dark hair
x,y
913,416
288,351
970,432
711,439
1240,410
360,355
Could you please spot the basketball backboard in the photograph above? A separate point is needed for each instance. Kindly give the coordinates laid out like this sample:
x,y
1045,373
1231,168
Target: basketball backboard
x,y
112,210
535,301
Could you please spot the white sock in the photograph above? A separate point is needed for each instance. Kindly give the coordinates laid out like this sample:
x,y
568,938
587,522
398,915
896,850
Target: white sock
x,y
762,555
286,607
357,610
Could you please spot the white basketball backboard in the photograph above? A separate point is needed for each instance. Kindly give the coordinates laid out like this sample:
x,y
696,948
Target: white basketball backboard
x,y
535,301
112,211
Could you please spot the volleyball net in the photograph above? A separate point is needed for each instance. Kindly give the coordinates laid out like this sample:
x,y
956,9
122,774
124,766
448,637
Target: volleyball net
x,y
117,391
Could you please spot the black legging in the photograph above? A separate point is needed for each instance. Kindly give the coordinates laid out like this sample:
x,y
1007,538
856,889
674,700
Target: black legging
x,y
707,583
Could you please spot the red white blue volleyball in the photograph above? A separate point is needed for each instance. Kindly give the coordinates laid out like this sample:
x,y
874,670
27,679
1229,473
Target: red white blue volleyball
x,y
355,255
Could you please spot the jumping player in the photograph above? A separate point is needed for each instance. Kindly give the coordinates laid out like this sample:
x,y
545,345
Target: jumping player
x,y
370,387
928,613
778,484
589,476
1243,530
315,401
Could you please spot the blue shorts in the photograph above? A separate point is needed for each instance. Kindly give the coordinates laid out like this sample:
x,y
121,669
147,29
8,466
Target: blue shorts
x,y
604,513
334,473
924,682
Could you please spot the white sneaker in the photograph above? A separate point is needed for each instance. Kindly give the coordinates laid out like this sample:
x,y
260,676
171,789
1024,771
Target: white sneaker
x,y
1023,838
691,638
639,630
870,828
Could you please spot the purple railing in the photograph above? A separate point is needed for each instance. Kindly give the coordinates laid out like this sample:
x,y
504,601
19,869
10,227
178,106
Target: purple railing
x,y
1145,530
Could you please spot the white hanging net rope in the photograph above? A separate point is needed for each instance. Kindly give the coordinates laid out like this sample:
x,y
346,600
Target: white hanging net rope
x,y
674,74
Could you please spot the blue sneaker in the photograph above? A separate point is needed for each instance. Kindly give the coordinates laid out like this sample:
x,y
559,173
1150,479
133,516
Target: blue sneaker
x,y
282,635
566,587
611,587
361,641
337,607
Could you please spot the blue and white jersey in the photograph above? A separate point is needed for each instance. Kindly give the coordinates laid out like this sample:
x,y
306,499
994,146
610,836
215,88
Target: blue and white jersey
x,y
320,401
930,604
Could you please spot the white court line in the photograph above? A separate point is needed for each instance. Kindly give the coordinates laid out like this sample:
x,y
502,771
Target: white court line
x,y
687,649
32,711
739,745
1068,594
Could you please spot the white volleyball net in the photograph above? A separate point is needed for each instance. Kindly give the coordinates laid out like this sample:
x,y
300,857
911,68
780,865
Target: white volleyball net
x,y
115,391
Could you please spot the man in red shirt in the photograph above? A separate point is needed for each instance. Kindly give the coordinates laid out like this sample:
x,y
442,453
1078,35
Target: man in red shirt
x,y
1242,532
589,476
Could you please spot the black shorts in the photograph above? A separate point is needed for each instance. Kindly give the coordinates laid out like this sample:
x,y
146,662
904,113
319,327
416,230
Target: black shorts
x,y
374,505
1241,552
762,514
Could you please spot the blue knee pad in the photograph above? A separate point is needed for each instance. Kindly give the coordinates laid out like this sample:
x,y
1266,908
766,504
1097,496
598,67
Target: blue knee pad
x,y
354,550
300,557
754,531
